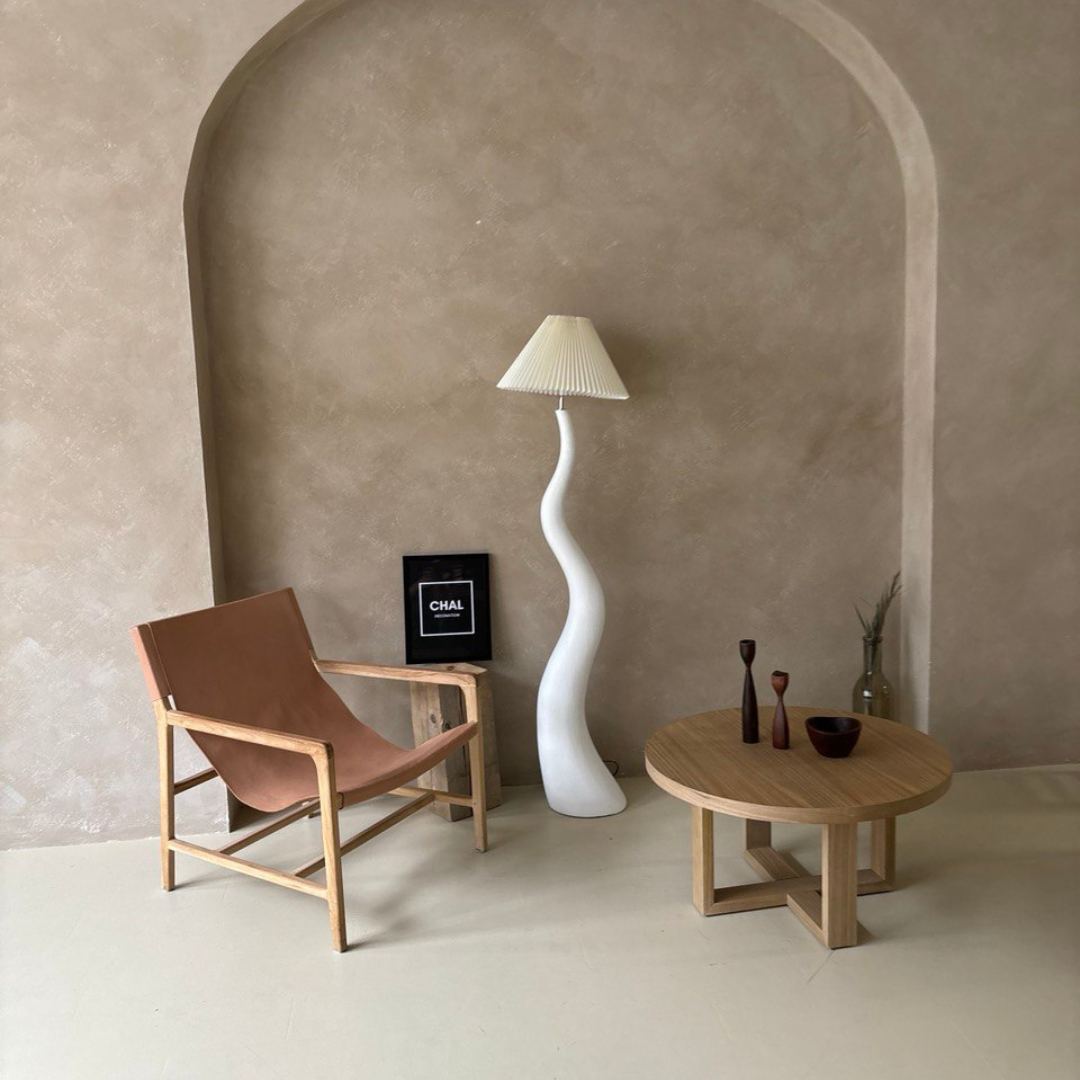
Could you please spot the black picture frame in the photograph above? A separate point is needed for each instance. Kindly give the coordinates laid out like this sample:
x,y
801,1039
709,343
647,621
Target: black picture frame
x,y
447,608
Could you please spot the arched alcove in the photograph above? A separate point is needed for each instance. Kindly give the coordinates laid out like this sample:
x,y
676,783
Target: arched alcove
x,y
713,190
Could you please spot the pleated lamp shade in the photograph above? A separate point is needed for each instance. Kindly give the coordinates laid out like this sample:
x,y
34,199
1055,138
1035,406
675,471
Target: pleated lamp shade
x,y
565,356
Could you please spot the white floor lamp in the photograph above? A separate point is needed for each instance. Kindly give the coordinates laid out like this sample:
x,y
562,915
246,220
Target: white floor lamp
x,y
566,357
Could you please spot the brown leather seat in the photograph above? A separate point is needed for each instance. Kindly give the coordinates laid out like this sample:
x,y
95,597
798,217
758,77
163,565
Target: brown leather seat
x,y
251,662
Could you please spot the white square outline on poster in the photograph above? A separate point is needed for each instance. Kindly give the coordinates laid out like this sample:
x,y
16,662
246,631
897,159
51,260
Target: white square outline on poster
x,y
421,585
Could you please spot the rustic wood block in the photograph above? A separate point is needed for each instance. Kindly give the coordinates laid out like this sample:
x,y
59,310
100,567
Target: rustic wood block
x,y
438,708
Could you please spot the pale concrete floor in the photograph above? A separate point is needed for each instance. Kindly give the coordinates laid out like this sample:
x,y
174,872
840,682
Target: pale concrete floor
x,y
569,950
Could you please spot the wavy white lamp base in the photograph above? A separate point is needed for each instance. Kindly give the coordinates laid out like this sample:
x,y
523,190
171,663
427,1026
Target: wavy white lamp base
x,y
576,780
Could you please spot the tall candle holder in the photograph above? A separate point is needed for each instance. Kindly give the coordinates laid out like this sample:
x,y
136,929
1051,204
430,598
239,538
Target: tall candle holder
x,y
747,650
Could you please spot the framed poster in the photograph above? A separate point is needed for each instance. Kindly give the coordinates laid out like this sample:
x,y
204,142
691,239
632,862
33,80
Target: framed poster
x,y
447,608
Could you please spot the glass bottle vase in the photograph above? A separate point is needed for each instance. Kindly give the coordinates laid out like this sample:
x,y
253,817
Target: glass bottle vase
x,y
872,694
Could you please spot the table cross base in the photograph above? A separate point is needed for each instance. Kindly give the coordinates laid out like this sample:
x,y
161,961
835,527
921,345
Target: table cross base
x,y
824,903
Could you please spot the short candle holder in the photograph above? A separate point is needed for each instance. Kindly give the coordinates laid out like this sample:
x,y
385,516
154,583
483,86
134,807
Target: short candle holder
x,y
781,733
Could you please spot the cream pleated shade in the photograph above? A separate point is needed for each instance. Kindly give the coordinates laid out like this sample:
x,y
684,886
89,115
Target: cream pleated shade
x,y
565,356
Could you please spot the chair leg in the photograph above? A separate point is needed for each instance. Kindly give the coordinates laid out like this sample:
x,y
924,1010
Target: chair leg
x,y
166,797
477,788
328,803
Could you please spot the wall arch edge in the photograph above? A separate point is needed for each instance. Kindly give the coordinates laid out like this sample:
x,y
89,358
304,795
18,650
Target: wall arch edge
x,y
905,126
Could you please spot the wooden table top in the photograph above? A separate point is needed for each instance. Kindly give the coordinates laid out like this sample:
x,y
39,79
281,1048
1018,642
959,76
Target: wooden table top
x,y
703,761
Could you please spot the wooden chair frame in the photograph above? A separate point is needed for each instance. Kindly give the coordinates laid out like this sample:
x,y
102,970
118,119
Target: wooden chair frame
x,y
328,801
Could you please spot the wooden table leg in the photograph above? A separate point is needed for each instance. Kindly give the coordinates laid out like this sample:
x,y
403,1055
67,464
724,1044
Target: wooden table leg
x,y
771,865
701,824
830,914
838,849
758,834
883,850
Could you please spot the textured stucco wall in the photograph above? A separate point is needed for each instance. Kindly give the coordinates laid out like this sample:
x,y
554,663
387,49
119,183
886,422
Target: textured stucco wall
x,y
104,518
395,201
105,521
999,87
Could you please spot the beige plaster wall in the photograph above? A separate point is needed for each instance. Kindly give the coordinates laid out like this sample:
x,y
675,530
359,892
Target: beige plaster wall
x,y
999,87
105,522
395,201
104,512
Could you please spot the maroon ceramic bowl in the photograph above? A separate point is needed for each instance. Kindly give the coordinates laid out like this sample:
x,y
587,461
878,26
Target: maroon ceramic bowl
x,y
833,736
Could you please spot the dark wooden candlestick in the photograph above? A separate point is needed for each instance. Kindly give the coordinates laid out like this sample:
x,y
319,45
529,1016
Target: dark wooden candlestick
x,y
781,737
747,649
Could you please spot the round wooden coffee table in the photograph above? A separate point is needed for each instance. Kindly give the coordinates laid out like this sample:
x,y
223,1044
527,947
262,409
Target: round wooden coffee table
x,y
893,770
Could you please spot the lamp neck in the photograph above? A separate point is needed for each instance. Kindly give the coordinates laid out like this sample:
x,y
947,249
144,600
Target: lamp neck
x,y
560,402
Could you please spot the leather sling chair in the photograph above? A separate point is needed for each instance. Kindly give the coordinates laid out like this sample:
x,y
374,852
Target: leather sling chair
x,y
243,680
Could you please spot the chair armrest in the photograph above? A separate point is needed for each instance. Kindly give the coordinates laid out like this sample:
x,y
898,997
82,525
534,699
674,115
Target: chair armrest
x,y
280,740
463,675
